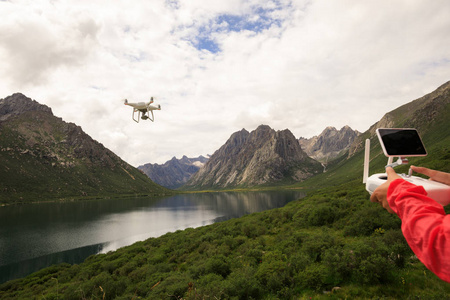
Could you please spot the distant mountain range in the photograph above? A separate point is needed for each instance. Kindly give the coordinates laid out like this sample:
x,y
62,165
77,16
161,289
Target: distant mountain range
x,y
175,172
239,162
330,144
44,158
261,157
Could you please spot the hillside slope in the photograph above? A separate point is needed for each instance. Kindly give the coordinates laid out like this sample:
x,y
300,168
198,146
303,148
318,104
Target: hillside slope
x,y
429,114
44,158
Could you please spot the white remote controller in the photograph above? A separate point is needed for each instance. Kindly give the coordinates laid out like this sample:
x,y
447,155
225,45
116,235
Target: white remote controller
x,y
437,191
402,143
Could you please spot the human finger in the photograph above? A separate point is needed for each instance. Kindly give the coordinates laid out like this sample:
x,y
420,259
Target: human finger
x,y
423,170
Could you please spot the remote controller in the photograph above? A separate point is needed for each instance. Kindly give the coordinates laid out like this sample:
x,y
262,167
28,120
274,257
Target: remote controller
x,y
438,191
402,143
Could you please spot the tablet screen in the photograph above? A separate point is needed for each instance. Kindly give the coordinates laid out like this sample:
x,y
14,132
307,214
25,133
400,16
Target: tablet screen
x,y
401,142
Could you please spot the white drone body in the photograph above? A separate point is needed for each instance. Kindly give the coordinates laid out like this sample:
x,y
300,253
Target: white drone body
x,y
143,110
438,191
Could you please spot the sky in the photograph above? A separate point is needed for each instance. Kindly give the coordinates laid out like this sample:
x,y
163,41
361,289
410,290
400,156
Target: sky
x,y
216,66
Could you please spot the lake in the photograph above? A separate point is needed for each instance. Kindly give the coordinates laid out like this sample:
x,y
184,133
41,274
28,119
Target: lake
x,y
34,236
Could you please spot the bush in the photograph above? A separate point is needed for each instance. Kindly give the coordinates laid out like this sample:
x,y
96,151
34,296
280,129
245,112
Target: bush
x,y
368,219
321,215
340,263
313,277
217,265
374,269
316,243
243,284
398,249
273,274
175,286
209,286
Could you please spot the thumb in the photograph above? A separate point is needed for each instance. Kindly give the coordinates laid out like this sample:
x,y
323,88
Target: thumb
x,y
391,174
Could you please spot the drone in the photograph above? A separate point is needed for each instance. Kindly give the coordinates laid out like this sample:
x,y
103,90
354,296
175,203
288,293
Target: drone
x,y
143,109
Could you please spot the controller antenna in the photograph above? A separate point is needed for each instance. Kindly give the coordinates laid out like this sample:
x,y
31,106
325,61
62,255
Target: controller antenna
x,y
366,161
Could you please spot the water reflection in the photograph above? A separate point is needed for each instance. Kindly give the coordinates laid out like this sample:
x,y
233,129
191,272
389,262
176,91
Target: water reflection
x,y
38,235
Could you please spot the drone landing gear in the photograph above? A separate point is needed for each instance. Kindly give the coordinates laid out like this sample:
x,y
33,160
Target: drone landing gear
x,y
145,115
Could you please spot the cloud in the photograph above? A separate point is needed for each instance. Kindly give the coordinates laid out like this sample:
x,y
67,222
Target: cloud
x,y
219,66
34,45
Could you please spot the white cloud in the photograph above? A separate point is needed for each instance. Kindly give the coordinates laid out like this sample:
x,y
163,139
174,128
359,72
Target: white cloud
x,y
289,64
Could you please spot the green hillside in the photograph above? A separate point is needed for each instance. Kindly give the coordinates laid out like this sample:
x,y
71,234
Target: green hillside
x,y
44,159
430,115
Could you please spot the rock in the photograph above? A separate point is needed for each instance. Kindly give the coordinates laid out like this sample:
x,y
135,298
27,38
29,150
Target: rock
x,y
330,144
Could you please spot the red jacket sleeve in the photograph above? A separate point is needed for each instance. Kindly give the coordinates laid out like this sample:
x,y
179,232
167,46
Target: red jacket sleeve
x,y
425,225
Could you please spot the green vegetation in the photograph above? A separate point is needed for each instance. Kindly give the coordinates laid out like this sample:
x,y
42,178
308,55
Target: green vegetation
x,y
333,244
38,164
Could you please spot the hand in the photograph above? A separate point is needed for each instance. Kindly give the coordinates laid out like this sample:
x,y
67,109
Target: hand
x,y
380,193
434,175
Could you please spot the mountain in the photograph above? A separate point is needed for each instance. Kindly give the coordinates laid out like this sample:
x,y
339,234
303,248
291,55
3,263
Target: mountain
x,y
261,157
330,144
175,172
44,158
428,114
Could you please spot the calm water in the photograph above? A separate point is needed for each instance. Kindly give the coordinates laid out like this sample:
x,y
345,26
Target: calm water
x,y
34,236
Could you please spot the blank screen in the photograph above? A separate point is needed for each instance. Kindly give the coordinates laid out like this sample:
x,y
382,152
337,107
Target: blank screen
x,y
402,142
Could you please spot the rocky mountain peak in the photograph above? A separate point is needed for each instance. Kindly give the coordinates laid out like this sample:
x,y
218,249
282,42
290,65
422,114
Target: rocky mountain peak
x,y
262,156
239,137
17,104
329,144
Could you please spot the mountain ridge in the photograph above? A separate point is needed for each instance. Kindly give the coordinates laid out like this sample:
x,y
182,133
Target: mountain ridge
x,y
44,157
175,172
329,144
418,113
429,114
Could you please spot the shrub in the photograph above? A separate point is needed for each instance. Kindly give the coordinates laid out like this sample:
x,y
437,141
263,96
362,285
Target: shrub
x,y
368,219
398,249
243,284
374,269
209,286
340,263
175,286
273,274
321,215
313,277
316,243
217,265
